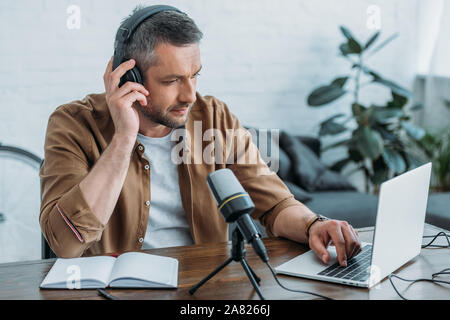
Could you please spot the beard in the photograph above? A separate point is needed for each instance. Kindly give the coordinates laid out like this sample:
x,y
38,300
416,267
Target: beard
x,y
156,115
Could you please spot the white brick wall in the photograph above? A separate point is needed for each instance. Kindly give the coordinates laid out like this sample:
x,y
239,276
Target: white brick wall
x,y
261,57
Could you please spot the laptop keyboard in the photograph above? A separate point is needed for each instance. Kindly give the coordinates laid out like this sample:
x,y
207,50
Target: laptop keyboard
x,y
357,267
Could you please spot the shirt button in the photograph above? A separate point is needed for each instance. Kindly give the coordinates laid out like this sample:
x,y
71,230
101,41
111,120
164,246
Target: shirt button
x,y
141,240
146,167
147,203
141,148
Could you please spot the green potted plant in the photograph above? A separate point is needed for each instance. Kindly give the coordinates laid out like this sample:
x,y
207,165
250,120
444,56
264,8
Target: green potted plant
x,y
379,143
436,146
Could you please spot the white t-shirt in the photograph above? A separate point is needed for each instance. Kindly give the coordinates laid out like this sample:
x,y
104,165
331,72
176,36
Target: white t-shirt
x,y
167,225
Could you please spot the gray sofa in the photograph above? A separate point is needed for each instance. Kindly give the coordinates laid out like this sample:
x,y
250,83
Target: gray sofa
x,y
324,191
329,193
438,210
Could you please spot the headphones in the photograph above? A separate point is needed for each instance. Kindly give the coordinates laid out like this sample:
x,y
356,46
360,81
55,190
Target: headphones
x,y
123,35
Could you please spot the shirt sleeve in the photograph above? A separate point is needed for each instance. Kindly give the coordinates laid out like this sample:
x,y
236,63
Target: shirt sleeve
x,y
267,191
66,220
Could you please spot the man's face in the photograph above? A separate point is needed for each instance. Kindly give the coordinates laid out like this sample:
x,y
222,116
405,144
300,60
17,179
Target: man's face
x,y
172,84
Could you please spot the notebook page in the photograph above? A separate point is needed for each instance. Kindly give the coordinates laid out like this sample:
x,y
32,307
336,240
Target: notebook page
x,y
93,272
143,266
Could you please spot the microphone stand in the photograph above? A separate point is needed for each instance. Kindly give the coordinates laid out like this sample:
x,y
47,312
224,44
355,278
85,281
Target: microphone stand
x,y
238,255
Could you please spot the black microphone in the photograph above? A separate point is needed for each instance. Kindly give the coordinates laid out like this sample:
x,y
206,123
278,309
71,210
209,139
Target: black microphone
x,y
235,205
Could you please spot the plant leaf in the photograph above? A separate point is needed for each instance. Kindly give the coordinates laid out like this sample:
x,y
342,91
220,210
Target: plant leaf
x,y
398,101
412,130
385,133
355,155
391,85
369,142
385,42
394,160
354,46
385,115
429,144
413,162
340,82
325,94
399,94
329,127
330,119
346,32
371,40
345,50
381,172
359,113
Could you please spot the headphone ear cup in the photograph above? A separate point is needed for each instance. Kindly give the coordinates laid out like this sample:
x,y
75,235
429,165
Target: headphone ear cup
x,y
132,75
137,75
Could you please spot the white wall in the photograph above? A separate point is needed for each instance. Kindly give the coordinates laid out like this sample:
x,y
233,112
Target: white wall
x,y
261,57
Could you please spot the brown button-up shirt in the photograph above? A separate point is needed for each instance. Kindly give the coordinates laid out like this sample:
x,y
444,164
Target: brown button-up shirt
x,y
78,133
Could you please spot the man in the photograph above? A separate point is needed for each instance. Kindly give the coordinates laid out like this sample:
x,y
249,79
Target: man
x,y
109,179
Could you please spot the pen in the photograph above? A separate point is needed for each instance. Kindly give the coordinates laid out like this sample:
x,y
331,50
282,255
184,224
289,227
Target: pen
x,y
103,293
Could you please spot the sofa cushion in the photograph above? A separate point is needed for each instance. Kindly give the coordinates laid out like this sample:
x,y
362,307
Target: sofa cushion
x,y
271,151
312,143
299,194
306,169
284,163
358,209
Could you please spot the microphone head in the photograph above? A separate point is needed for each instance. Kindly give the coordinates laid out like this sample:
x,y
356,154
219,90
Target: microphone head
x,y
222,184
229,194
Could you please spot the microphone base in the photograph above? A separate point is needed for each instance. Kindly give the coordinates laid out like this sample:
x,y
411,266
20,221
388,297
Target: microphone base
x,y
238,255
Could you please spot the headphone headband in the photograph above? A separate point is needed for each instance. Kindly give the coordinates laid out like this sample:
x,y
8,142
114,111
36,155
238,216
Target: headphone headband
x,y
125,32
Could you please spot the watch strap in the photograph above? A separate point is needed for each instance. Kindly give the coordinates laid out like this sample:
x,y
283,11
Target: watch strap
x,y
309,224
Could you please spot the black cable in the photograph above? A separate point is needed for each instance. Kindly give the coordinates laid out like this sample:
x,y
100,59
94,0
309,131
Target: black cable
x,y
432,280
445,271
106,295
419,280
430,244
299,291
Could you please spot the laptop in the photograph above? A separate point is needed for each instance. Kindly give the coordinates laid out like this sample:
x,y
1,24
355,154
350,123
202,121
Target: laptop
x,y
397,238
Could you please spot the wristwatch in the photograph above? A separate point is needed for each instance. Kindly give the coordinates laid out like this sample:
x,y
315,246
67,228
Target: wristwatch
x,y
318,217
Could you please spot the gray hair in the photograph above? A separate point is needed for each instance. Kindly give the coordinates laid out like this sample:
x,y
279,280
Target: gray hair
x,y
170,27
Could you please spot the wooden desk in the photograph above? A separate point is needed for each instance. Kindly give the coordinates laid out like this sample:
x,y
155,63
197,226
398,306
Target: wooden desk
x,y
22,280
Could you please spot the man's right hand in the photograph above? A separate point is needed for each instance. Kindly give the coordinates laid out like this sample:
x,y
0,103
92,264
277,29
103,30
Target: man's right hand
x,y
102,186
120,100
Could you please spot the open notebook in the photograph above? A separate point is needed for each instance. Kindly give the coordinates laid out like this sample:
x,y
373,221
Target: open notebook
x,y
129,270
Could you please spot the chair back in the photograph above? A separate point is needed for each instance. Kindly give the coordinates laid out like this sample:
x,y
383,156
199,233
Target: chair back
x,y
46,251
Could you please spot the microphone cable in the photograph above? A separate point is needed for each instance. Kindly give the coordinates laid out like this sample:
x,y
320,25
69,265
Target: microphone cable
x,y
288,289
108,296
432,280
